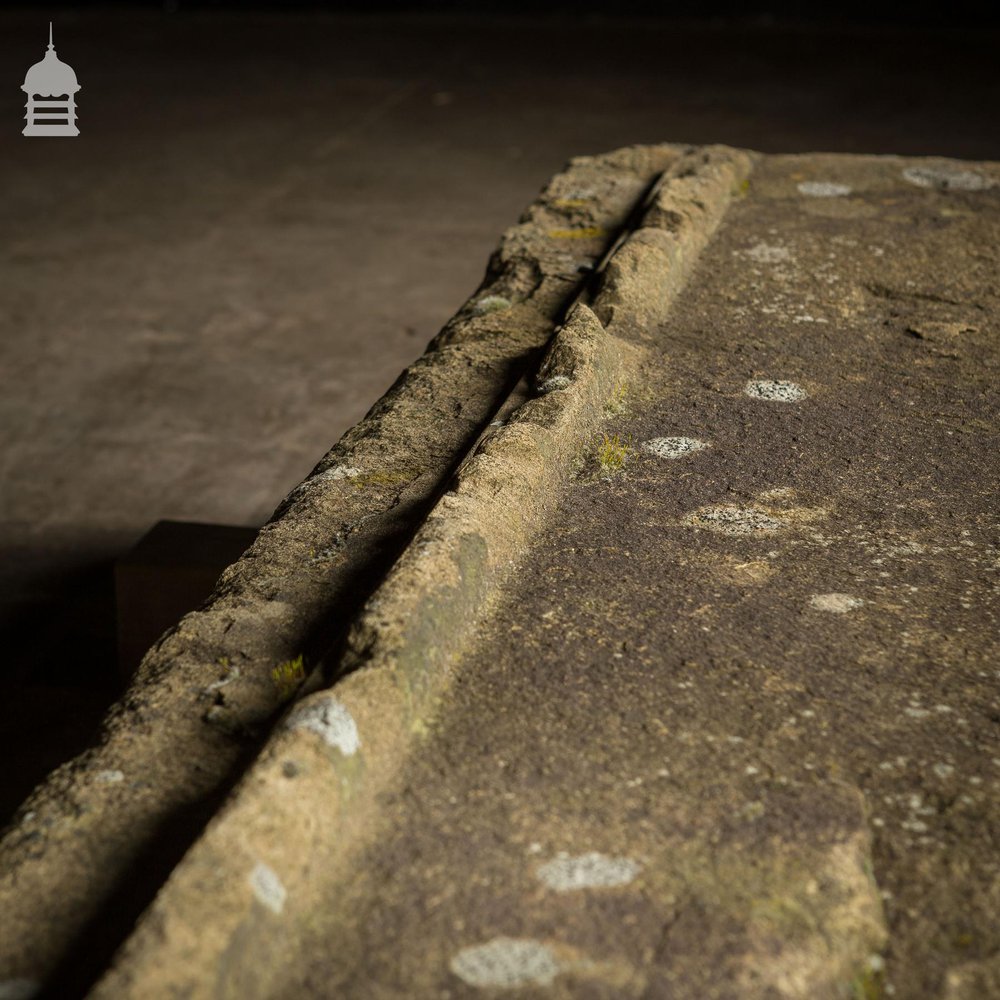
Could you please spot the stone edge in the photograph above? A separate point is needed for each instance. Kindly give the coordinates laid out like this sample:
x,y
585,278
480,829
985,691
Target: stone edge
x,y
308,802
204,694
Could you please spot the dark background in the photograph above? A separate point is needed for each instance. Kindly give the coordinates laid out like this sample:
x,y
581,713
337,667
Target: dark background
x,y
956,15
272,207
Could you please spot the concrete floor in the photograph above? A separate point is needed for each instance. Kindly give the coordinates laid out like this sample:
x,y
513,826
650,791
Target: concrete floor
x,y
265,218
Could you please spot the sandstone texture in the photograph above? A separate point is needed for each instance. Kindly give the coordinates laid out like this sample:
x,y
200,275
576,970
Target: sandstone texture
x,y
759,676
672,672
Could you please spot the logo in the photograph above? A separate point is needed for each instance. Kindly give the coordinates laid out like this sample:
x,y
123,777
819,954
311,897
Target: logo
x,y
51,88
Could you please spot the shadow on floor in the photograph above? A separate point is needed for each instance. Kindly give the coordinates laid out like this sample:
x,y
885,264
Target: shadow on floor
x,y
58,676
68,656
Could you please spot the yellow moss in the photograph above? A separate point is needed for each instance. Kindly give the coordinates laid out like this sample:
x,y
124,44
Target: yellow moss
x,y
869,984
583,233
618,402
612,450
288,676
491,304
785,915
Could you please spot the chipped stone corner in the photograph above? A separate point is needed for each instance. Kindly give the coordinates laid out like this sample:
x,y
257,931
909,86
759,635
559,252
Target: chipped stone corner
x,y
818,933
574,346
645,274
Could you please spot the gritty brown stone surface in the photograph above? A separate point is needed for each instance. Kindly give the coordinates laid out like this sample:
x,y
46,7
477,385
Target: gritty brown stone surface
x,y
300,816
731,730
786,716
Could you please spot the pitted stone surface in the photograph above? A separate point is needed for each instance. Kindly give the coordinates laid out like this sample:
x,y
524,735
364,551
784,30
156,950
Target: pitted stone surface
x,y
781,719
764,672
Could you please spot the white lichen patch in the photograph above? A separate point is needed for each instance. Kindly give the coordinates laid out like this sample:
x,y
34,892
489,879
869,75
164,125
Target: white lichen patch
x,y
109,777
19,989
267,887
505,963
731,570
491,304
331,720
902,549
731,519
566,872
335,473
769,253
672,447
774,390
780,494
946,178
232,674
823,189
835,603
555,382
